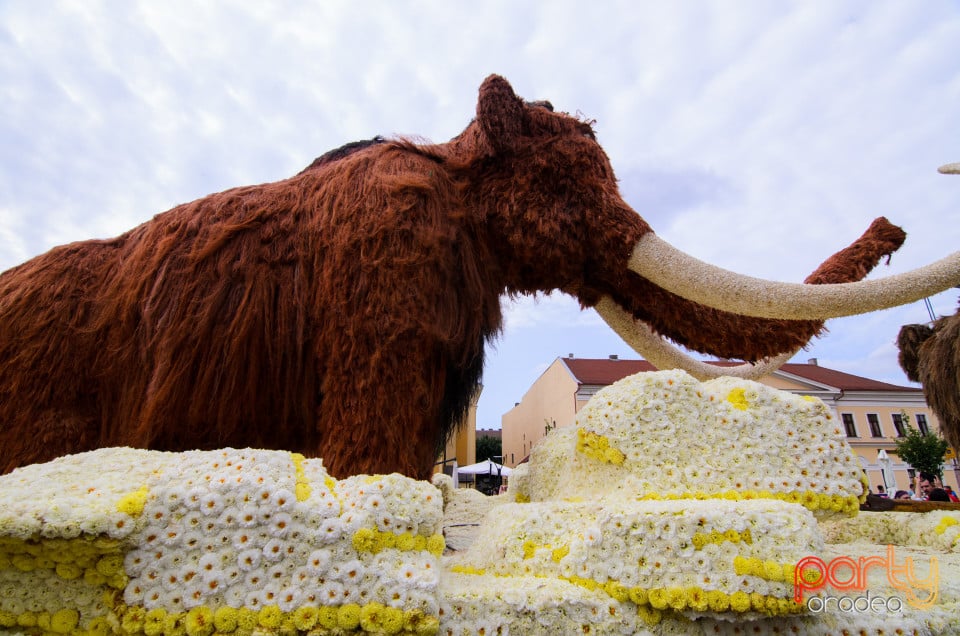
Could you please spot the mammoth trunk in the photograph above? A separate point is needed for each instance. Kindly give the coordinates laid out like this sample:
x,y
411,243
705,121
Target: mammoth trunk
x,y
729,335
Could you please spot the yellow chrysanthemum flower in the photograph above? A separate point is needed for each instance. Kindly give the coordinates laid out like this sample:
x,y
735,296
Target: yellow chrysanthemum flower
x,y
305,617
133,503
225,619
738,399
64,621
199,621
436,544
270,617
657,597
639,595
740,602
348,616
617,590
154,621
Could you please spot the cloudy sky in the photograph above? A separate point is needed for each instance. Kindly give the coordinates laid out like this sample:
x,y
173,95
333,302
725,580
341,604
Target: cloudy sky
x,y
759,136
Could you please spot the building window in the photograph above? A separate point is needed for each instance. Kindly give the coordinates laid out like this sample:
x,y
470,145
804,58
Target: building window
x,y
849,424
874,423
922,424
898,424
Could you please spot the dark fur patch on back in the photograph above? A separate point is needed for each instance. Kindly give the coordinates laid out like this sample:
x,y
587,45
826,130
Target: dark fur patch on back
x,y
343,151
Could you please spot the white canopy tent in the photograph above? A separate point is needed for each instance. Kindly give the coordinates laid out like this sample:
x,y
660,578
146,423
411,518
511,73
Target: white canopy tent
x,y
488,467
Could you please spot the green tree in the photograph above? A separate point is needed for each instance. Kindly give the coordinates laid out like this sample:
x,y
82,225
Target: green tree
x,y
923,451
488,448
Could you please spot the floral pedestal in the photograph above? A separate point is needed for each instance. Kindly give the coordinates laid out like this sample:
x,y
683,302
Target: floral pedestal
x,y
673,507
231,541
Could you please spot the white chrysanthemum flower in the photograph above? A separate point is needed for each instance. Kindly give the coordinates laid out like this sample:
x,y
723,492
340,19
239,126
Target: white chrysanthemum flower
x,y
135,561
612,570
234,596
211,504
347,572
210,562
385,522
194,498
274,550
280,525
270,593
351,594
289,599
283,499
172,497
329,507
248,516
318,562
229,519
592,536
263,496
330,593
375,503
249,560
152,597
254,599
398,597
276,573
193,595
133,593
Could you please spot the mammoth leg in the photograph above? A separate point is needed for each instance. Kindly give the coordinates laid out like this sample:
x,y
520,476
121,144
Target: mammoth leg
x,y
382,413
52,434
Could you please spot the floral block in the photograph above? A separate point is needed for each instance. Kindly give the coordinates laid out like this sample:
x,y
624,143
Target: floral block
x,y
667,436
670,501
229,541
665,557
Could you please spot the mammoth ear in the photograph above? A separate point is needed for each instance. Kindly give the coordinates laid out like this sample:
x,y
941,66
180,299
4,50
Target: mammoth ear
x,y
499,113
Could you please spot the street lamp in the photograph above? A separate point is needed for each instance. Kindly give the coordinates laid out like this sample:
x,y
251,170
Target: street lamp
x,y
884,460
499,471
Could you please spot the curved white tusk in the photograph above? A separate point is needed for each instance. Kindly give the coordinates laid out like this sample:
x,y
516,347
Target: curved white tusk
x,y
661,354
690,278
950,168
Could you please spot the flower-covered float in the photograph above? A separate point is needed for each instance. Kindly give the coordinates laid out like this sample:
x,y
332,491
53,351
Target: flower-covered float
x,y
232,541
673,506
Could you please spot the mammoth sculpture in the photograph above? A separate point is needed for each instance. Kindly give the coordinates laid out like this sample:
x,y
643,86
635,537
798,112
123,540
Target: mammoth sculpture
x,y
343,312
930,355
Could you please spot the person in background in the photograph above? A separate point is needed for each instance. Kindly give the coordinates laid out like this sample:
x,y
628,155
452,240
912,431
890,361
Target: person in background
x,y
951,494
902,494
926,485
881,491
938,494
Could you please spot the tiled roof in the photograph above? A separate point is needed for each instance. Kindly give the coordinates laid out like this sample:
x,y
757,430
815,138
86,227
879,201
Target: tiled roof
x,y
841,380
605,371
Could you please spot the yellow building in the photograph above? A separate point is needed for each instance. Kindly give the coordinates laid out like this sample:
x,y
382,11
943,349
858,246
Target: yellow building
x,y
872,412
462,445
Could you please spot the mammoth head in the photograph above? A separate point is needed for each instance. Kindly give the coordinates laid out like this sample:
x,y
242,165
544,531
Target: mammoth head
x,y
557,221
909,341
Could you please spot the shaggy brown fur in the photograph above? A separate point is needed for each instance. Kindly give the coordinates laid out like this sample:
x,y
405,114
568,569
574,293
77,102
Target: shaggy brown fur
x,y
931,356
342,312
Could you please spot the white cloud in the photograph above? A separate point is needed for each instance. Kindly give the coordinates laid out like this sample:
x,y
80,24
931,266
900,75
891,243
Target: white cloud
x,y
759,136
